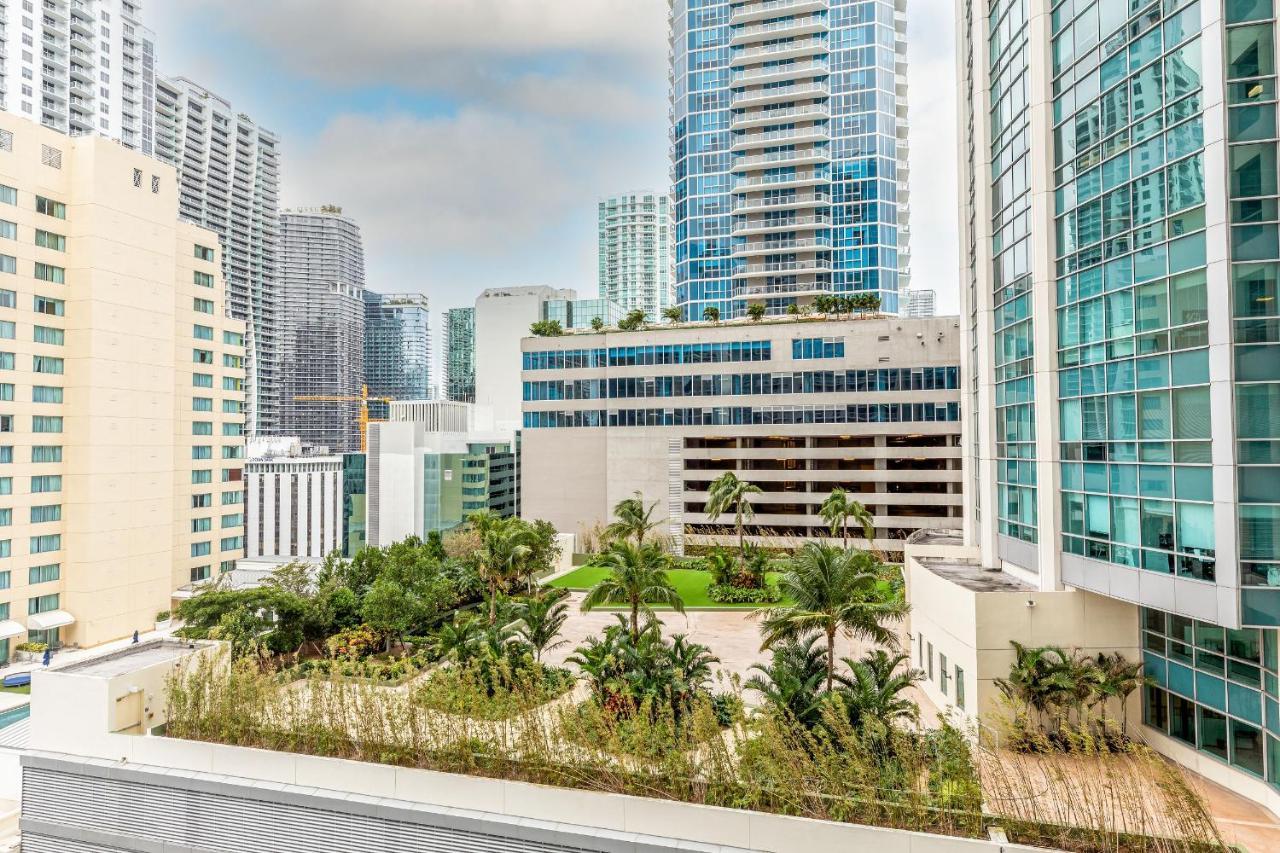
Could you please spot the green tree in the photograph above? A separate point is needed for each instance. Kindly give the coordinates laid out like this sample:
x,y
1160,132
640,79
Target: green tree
x,y
389,609
632,518
756,311
672,314
242,628
711,314
597,324
637,578
504,551
792,680
540,620
824,303
793,310
546,328
729,494
871,691
633,321
833,592
838,508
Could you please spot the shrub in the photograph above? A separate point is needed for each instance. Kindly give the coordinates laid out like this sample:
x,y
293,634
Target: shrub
x,y
354,643
731,594
472,692
162,615
31,647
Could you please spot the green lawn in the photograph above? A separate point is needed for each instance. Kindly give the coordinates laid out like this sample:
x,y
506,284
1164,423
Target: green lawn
x,y
26,688
690,583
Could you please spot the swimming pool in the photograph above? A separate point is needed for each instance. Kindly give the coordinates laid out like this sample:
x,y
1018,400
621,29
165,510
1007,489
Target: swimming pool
x,y
15,715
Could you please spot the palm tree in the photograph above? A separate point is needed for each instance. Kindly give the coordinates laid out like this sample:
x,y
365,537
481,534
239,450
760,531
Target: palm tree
x,y
539,620
456,639
756,311
712,314
632,519
838,508
792,682
1120,677
871,689
672,314
729,493
504,550
691,667
638,579
834,592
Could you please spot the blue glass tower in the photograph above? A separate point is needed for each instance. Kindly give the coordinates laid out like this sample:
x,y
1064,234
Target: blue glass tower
x,y
788,152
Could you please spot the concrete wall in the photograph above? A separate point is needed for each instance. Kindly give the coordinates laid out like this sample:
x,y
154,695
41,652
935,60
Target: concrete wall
x,y
200,796
503,317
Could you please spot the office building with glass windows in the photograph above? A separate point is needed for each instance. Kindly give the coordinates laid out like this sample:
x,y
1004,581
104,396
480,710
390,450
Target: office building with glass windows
x,y
460,354
397,347
1122,361
635,252
797,408
788,152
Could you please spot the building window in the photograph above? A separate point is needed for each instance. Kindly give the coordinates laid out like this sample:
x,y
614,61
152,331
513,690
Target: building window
x,y
201,549
200,573
8,330
47,364
201,525
50,335
201,501
202,356
204,306
8,298
202,404
46,543
49,207
204,333
234,339
54,307
202,427
806,348
201,476
46,423
204,253
46,453
137,177
8,230
9,264
47,272
929,659
46,394
44,574
203,279
202,451
959,688
42,604
46,483
49,240
944,676
202,380
8,195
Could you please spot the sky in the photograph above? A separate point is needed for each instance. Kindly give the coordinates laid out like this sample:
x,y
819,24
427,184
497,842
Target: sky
x,y
472,139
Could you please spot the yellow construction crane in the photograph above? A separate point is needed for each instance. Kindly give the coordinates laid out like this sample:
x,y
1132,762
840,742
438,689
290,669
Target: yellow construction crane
x,y
364,398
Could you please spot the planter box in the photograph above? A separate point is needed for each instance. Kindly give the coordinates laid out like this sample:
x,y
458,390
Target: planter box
x,y
28,656
163,625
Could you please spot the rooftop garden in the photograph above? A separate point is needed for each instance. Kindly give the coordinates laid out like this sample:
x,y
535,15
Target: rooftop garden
x,y
823,307
449,655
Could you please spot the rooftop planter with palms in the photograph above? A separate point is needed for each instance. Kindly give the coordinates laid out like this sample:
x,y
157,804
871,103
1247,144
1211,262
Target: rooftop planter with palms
x,y
637,579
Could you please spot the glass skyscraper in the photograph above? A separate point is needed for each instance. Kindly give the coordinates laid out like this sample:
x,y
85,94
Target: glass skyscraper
x,y
460,354
397,348
788,151
635,252
1121,232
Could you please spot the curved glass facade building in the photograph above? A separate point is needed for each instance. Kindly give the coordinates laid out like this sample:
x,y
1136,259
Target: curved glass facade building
x,y
788,152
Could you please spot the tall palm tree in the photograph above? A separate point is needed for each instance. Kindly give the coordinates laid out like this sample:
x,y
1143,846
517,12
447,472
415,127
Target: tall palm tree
x,y
838,508
834,592
871,689
504,550
711,313
638,579
631,518
728,493
792,681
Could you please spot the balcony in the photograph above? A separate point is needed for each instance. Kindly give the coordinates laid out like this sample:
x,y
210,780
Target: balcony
x,y
791,136
750,12
799,26
795,179
792,244
786,202
775,73
759,97
761,290
758,118
782,50
782,268
747,227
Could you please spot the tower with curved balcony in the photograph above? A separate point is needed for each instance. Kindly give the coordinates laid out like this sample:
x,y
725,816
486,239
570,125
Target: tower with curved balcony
x,y
789,152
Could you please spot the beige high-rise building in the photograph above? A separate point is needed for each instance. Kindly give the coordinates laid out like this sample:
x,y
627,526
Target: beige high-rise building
x,y
121,399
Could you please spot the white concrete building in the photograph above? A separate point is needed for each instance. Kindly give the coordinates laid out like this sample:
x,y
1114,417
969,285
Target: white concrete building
x,y
80,67
797,407
229,166
294,501
635,258
919,302
503,316
121,401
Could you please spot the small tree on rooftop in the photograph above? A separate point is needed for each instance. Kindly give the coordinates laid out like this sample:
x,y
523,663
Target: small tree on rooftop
x,y
711,314
824,303
756,311
672,314
638,579
546,329
632,518
633,321
597,323
793,310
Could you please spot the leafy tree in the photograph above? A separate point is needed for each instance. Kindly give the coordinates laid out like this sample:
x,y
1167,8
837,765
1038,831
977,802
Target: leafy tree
x,y
729,494
792,680
504,551
637,578
756,311
454,640
824,303
838,508
632,518
633,321
597,324
672,314
834,592
435,546
243,629
711,314
546,328
389,609
793,310
293,577
540,620
871,692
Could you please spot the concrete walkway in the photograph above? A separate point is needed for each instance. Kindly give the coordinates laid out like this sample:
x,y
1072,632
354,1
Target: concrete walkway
x,y
66,656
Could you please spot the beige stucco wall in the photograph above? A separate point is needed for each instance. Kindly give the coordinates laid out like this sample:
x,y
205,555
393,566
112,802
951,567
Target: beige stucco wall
x,y
128,389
